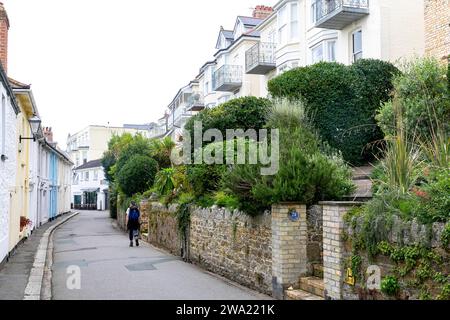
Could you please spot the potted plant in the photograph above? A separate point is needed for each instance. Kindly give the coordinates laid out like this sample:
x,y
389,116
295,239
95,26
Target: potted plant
x,y
24,222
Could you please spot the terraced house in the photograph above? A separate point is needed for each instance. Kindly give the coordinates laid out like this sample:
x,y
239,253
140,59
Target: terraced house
x,y
35,173
8,160
296,33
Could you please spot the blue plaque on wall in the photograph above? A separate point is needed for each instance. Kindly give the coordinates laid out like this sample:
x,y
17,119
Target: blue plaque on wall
x,y
294,215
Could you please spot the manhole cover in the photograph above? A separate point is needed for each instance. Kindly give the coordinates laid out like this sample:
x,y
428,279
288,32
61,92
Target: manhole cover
x,y
145,266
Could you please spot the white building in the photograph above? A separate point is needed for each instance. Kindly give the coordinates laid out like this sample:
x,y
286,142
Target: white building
x,y
297,33
309,31
91,142
89,187
8,159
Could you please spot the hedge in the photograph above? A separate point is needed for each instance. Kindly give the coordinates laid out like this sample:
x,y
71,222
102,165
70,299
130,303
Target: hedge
x,y
342,101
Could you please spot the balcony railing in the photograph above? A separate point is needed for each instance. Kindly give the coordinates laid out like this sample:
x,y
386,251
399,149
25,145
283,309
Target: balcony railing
x,y
196,102
227,78
337,14
260,59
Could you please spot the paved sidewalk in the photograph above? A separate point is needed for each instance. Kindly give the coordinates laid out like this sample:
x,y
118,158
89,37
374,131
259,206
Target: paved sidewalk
x,y
14,274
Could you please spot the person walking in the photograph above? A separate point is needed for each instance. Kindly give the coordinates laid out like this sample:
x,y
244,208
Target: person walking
x,y
133,222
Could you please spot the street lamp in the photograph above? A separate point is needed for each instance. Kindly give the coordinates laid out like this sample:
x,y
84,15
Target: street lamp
x,y
35,123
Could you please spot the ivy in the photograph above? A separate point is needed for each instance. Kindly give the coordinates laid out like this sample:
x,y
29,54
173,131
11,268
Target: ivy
x,y
390,286
445,237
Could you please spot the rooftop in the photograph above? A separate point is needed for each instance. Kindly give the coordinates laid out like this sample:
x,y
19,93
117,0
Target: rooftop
x,y
91,164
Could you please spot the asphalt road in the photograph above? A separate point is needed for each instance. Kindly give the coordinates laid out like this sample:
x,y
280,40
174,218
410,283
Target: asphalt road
x,y
111,270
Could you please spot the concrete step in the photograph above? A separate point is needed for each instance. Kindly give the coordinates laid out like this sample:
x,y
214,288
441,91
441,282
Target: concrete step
x,y
301,295
318,270
313,285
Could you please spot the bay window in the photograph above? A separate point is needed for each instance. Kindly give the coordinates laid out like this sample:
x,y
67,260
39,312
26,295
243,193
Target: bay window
x,y
282,25
324,51
288,23
294,21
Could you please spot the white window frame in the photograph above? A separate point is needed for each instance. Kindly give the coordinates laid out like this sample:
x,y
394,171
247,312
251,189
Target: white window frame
x,y
325,44
356,53
294,23
283,24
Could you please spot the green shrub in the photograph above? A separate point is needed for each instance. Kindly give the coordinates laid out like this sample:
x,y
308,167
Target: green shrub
x,y
205,201
164,181
305,173
433,197
445,237
160,150
204,178
241,113
390,286
226,201
342,100
137,175
423,92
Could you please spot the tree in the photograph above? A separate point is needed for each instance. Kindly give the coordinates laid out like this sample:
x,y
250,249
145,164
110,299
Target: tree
x,y
161,151
137,174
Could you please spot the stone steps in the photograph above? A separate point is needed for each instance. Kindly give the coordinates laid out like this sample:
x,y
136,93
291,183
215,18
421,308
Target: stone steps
x,y
301,295
313,285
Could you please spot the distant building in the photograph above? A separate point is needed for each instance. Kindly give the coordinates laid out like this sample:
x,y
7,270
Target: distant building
x,y
91,142
437,28
89,187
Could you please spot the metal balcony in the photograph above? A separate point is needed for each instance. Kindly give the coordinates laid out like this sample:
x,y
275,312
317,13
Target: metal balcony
x,y
260,59
228,78
195,102
337,14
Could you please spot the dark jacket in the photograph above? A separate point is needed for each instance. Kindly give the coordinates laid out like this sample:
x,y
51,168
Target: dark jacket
x,y
133,224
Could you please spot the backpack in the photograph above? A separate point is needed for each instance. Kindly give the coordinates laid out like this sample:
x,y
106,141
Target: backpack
x,y
134,214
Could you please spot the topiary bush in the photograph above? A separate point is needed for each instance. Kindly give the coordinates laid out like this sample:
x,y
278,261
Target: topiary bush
x,y
342,101
137,175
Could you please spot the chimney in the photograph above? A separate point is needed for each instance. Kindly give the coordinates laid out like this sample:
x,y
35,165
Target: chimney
x,y
262,12
48,134
4,28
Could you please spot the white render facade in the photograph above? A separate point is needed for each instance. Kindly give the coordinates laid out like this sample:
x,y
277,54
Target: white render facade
x,y
89,187
8,164
303,32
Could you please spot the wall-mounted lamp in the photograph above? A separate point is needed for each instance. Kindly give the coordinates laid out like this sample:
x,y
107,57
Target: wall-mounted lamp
x,y
35,124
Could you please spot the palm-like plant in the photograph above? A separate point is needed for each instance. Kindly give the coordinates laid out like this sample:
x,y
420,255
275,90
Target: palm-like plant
x,y
162,150
165,182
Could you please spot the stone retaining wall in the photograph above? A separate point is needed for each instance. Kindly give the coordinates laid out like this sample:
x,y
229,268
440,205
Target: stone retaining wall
x,y
233,245
162,226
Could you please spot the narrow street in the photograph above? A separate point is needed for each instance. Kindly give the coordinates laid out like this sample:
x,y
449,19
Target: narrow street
x,y
110,269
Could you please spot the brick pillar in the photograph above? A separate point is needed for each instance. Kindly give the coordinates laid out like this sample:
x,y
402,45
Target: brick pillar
x,y
333,247
289,240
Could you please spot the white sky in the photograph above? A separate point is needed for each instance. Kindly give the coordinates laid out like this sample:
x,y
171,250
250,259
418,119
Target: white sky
x,y
100,61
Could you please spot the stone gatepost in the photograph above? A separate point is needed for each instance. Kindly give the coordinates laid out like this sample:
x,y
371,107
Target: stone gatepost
x,y
334,272
289,240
